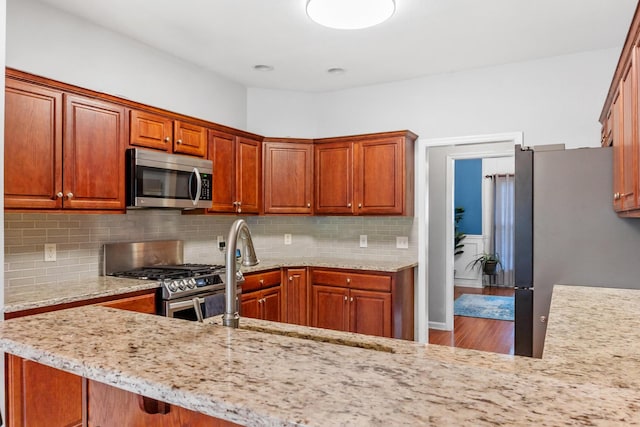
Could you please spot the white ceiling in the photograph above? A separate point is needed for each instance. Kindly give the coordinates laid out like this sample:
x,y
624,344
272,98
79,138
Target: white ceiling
x,y
423,37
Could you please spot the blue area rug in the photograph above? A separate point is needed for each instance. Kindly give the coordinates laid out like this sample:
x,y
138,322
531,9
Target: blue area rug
x,y
484,306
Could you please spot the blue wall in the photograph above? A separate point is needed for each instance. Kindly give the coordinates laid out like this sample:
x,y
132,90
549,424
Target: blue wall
x,y
468,194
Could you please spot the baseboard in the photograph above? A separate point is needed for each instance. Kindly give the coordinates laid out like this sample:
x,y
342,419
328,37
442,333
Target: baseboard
x,y
441,326
468,283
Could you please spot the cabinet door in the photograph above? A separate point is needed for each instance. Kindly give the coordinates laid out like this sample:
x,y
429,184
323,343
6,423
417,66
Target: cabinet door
x,y
618,151
222,150
330,307
150,130
334,178
94,146
248,171
139,303
271,304
250,304
629,155
288,175
370,313
189,139
38,395
380,176
32,146
296,296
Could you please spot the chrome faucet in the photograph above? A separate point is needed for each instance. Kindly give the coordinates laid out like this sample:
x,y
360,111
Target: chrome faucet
x,y
238,229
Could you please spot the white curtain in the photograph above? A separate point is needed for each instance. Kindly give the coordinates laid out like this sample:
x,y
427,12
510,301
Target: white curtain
x,y
503,223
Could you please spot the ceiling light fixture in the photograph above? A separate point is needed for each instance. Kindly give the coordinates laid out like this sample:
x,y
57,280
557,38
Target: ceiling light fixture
x,y
350,14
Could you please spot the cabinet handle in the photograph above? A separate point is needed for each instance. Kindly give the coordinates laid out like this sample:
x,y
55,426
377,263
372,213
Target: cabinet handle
x,y
618,196
179,142
59,195
351,299
308,205
360,205
167,139
348,205
262,281
345,298
69,195
291,278
348,280
239,210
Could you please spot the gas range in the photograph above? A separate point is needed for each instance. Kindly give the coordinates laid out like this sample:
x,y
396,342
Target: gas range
x,y
181,280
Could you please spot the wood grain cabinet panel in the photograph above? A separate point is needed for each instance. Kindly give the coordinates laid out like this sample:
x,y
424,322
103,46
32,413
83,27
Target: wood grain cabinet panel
x,y
296,296
32,146
150,130
261,296
288,177
365,174
236,173
94,144
330,309
189,139
370,312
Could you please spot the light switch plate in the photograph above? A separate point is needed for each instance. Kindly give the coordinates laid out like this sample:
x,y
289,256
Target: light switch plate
x,y
49,252
363,240
287,239
402,242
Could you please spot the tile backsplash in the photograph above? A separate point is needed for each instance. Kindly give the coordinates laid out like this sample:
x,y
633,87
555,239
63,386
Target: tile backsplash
x,y
79,239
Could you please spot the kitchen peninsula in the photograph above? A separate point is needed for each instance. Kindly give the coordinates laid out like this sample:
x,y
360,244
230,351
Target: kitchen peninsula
x,y
588,376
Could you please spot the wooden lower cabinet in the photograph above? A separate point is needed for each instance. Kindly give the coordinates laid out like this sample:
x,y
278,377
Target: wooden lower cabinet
x,y
296,296
264,305
369,303
39,395
111,406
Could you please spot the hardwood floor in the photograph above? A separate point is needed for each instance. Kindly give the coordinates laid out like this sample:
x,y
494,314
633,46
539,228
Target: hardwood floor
x,y
475,333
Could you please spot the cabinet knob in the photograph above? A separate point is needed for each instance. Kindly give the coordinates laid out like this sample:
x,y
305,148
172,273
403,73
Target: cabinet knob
x,y
351,299
167,139
262,281
308,205
59,195
348,280
348,205
360,205
179,142
69,195
291,278
345,298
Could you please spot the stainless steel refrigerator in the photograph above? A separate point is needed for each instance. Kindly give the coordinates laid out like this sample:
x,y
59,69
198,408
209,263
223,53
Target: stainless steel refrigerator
x,y
566,232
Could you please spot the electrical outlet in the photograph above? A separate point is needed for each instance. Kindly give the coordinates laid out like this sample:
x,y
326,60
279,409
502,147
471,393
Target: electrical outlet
x,y
363,240
49,252
287,239
402,242
221,243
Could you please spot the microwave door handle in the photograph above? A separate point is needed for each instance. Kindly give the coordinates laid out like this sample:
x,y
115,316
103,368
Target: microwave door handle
x,y
198,188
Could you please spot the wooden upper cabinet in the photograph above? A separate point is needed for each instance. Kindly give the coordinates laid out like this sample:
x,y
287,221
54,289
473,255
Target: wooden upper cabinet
x,y
248,171
150,130
288,177
189,139
32,146
334,178
629,139
93,154
366,174
236,173
618,149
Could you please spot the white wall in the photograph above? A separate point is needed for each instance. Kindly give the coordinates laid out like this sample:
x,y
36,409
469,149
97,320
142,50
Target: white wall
x,y
280,113
51,43
553,100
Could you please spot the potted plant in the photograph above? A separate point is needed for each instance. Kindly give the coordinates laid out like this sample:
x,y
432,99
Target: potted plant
x,y
488,263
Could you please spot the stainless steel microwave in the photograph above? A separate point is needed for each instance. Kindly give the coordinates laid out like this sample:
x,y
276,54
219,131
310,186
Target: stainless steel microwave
x,y
160,180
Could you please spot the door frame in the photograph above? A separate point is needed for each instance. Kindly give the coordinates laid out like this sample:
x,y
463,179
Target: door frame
x,y
514,138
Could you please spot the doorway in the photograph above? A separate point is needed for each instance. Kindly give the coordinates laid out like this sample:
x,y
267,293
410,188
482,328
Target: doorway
x,y
439,222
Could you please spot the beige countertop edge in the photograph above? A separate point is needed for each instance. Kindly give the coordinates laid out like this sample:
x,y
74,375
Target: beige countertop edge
x,y
350,264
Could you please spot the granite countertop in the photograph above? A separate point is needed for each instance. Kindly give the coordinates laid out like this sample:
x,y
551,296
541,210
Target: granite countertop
x,y
258,378
36,296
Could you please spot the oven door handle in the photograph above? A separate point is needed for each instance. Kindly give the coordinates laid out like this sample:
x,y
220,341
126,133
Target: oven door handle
x,y
181,305
196,306
196,199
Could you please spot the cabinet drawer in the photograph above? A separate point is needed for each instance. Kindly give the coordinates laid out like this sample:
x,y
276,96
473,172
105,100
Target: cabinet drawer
x,y
352,280
261,280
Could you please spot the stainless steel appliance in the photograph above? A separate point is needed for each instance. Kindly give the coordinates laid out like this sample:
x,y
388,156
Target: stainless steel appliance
x,y
566,233
159,180
183,287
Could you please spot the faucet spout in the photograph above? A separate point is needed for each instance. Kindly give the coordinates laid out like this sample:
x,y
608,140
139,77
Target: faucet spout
x,y
238,229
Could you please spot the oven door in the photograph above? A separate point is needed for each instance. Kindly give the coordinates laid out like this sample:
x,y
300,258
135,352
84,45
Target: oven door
x,y
158,179
183,308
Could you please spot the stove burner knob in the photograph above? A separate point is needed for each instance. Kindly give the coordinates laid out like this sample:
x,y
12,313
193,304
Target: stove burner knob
x,y
171,285
191,283
182,284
